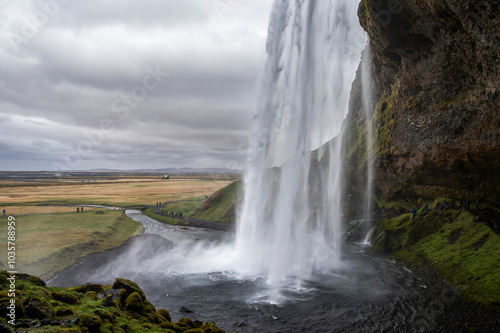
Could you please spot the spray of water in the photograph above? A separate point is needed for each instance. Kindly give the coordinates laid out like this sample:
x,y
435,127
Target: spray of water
x,y
290,220
313,50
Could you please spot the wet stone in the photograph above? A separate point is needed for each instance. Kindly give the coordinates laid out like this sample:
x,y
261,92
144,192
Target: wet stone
x,y
183,309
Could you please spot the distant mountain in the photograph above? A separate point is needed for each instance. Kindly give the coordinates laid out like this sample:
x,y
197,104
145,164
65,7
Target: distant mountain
x,y
173,170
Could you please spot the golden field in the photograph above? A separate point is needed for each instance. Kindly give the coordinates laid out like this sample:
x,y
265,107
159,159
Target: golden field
x,y
122,192
51,236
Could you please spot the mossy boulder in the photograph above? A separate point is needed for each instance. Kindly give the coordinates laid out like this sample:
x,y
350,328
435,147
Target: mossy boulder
x,y
188,322
5,302
164,313
98,288
38,308
129,286
91,321
172,326
65,297
35,280
148,307
63,312
210,328
134,302
92,294
122,295
106,315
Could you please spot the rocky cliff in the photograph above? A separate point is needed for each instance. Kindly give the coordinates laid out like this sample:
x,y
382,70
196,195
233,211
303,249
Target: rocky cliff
x,y
436,67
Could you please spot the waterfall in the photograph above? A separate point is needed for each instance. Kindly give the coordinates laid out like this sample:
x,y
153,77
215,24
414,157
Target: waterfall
x,y
368,103
314,48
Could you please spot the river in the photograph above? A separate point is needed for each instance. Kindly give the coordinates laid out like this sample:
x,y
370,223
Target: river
x,y
365,294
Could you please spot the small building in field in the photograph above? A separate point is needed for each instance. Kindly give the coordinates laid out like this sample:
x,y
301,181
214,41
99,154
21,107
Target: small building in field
x,y
166,177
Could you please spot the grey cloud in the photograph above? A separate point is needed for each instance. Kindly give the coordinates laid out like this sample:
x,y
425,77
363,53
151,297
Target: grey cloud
x,y
143,13
66,79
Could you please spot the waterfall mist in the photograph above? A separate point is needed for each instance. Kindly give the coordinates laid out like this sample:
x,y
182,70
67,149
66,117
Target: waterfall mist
x,y
289,224
285,229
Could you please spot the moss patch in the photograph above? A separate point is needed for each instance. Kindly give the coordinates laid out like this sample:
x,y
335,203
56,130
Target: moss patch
x,y
385,122
121,307
464,250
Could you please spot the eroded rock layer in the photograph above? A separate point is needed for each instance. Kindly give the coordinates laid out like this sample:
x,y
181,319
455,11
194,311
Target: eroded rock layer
x,y
436,67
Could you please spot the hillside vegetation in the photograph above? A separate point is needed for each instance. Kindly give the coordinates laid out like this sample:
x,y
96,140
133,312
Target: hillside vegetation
x,y
463,246
50,243
221,206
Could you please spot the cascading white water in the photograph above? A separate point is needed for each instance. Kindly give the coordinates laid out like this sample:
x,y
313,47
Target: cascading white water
x,y
314,49
368,110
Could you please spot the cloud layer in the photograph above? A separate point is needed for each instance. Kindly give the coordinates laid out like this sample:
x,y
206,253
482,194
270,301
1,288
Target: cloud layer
x,y
128,84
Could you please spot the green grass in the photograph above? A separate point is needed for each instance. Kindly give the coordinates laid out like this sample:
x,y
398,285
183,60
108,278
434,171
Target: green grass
x,y
49,243
472,263
187,207
221,206
465,252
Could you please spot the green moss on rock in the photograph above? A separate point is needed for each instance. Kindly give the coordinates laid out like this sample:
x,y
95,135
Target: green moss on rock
x,y
65,297
164,313
188,322
92,294
98,288
88,314
91,322
38,307
5,301
134,303
464,250
106,315
129,286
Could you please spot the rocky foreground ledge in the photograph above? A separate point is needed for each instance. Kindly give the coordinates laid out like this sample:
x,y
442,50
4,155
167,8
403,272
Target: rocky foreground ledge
x,y
121,307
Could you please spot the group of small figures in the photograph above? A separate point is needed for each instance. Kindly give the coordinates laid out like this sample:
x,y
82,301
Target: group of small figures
x,y
466,204
169,213
462,204
175,214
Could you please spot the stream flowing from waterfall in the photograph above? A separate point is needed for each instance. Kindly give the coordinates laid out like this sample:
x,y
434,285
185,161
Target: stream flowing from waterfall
x,y
370,294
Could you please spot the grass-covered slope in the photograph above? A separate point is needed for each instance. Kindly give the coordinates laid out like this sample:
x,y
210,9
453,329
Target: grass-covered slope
x,y
49,243
221,206
463,246
121,307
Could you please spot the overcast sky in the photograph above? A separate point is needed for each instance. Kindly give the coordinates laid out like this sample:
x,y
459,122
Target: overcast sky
x,y
128,84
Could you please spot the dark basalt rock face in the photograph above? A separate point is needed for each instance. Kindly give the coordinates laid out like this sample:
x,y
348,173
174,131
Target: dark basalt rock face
x,y
436,66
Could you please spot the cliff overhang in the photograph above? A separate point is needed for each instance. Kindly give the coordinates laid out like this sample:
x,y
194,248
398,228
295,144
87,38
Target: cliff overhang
x,y
436,68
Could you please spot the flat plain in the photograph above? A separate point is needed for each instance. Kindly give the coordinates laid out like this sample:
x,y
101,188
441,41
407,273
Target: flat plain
x,y
51,235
